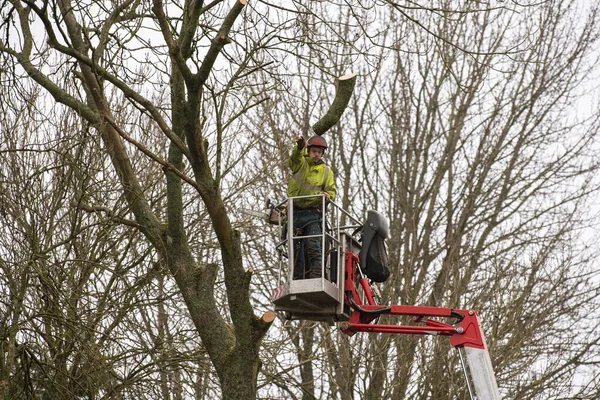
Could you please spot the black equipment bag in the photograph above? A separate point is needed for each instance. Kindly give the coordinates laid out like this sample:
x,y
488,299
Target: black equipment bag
x,y
373,257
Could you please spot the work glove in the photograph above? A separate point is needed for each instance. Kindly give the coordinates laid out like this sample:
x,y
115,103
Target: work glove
x,y
300,142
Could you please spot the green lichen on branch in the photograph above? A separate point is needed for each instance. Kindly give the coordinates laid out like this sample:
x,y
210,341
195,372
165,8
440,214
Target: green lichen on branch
x,y
345,88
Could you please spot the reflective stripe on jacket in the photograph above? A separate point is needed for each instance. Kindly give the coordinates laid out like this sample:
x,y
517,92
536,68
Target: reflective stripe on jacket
x,y
309,179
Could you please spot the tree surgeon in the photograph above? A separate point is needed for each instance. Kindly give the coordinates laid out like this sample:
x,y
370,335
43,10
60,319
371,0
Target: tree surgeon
x,y
311,177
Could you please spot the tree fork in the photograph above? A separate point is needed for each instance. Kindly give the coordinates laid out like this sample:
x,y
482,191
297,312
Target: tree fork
x,y
345,88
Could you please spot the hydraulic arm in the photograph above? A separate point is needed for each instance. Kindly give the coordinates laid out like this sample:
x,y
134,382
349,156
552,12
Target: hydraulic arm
x,y
464,328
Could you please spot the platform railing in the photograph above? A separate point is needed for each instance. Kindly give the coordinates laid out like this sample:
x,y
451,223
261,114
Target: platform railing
x,y
331,231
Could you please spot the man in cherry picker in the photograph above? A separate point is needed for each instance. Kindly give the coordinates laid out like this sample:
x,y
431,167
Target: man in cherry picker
x,y
311,176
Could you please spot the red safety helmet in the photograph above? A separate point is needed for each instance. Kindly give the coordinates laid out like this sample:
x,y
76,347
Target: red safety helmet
x,y
317,141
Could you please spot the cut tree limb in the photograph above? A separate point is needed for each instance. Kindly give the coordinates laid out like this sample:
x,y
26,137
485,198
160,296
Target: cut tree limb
x,y
268,317
345,87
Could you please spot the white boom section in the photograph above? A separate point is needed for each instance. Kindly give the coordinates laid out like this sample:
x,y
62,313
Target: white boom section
x,y
482,374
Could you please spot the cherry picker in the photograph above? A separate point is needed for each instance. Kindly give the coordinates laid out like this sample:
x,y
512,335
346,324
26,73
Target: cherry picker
x,y
353,258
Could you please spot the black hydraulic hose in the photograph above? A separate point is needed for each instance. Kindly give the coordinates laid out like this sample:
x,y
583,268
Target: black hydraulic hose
x,y
383,310
458,316
386,310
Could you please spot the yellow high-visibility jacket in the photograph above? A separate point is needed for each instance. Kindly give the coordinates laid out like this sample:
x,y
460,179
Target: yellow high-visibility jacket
x,y
309,179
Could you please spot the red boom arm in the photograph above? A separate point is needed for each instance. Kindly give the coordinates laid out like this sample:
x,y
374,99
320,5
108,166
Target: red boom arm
x,y
466,331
